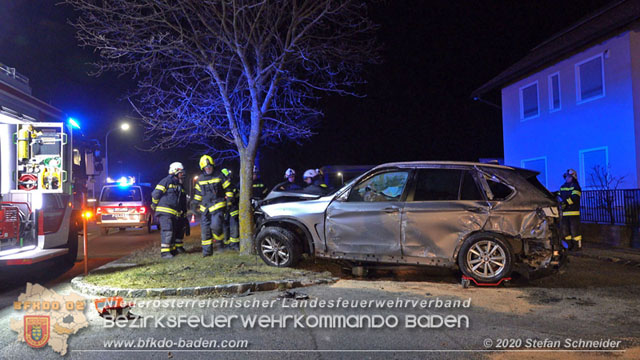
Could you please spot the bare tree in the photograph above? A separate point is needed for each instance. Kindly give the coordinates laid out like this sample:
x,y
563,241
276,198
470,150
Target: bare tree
x,y
601,179
229,74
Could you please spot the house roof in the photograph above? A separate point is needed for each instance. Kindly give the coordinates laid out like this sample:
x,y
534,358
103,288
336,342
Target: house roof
x,y
603,22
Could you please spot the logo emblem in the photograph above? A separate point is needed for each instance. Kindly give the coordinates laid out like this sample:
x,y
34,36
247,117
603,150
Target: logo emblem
x,y
36,330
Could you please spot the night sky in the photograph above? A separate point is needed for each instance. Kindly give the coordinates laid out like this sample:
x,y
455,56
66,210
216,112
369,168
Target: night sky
x,y
417,104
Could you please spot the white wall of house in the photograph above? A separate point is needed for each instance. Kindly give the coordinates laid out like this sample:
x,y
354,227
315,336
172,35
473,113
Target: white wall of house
x,y
583,128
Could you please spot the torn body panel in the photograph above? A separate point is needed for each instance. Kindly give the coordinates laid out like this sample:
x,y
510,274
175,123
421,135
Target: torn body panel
x,y
367,229
436,228
535,234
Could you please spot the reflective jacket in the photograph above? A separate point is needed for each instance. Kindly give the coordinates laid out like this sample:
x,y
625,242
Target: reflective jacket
x,y
232,194
210,189
258,189
169,197
570,194
317,187
288,186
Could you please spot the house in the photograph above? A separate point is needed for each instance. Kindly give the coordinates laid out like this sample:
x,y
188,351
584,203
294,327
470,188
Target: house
x,y
574,100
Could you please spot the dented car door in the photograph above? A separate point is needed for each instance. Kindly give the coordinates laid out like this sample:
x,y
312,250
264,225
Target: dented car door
x,y
366,221
444,206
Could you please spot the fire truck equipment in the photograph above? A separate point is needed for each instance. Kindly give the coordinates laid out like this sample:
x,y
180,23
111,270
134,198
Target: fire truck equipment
x,y
24,140
10,225
27,182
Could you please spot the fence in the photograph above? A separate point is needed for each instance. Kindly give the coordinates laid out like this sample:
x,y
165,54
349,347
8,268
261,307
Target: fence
x,y
614,207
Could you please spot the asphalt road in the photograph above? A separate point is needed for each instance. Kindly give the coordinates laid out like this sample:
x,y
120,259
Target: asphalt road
x,y
590,300
102,249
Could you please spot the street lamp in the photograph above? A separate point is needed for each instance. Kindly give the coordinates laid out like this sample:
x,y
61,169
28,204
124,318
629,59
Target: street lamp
x,y
124,127
341,178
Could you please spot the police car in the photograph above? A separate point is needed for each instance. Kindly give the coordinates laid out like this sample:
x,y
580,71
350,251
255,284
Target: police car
x,y
124,204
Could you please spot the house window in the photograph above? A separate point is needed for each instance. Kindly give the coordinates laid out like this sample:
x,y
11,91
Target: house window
x,y
590,79
529,101
554,92
594,163
538,164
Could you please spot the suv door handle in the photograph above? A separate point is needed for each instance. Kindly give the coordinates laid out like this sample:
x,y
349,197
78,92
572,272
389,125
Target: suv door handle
x,y
475,209
391,209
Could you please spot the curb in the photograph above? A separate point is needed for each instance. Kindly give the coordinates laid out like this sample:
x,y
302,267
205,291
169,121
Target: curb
x,y
78,284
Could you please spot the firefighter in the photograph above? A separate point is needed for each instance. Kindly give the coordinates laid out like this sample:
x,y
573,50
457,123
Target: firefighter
x,y
570,193
290,183
258,189
314,184
169,203
232,196
209,200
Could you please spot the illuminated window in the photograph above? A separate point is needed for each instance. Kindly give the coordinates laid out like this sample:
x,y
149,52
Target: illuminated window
x,y
590,79
554,92
592,163
529,101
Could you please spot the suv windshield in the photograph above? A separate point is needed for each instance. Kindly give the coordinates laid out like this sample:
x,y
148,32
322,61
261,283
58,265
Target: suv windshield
x,y
120,194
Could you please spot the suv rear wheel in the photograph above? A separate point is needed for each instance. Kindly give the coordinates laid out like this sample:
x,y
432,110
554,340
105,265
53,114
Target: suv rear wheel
x,y
485,257
278,247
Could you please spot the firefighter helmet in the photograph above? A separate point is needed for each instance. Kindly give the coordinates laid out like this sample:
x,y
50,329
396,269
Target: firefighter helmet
x,y
289,172
206,160
310,173
176,168
571,173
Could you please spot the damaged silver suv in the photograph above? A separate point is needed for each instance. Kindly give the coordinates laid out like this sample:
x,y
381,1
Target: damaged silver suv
x,y
487,220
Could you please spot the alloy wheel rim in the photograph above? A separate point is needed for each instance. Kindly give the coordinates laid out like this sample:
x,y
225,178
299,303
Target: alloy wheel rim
x,y
274,251
486,259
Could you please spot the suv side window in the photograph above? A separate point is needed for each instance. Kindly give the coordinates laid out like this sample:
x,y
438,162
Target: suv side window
x,y
498,190
437,184
387,186
469,189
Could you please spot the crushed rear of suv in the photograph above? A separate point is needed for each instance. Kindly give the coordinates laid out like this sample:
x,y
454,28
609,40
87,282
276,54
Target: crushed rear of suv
x,y
486,220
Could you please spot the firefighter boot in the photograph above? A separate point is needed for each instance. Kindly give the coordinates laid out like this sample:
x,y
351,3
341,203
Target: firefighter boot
x,y
235,246
577,246
207,247
165,246
180,247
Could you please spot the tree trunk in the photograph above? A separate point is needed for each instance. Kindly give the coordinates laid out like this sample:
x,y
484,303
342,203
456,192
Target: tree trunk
x,y
246,213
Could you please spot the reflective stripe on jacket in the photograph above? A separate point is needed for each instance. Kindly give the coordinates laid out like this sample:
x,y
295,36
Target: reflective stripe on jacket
x,y
169,197
209,194
570,194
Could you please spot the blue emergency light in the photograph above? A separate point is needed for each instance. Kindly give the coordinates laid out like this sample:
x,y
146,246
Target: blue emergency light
x,y
74,124
124,181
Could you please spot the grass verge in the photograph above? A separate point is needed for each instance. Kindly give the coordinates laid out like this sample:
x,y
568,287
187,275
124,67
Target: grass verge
x,y
149,270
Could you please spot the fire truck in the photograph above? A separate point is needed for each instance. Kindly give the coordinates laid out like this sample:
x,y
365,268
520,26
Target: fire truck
x,y
41,196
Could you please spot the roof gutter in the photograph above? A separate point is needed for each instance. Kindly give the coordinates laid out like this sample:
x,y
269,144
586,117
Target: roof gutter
x,y
478,98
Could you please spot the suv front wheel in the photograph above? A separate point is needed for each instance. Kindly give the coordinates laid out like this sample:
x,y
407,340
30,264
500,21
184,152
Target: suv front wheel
x,y
278,247
485,257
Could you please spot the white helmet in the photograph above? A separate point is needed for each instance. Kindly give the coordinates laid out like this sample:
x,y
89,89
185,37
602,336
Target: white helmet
x,y
289,172
175,168
310,173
